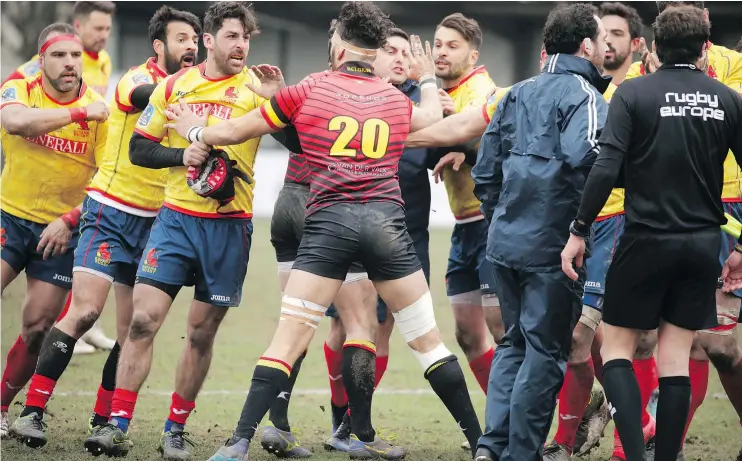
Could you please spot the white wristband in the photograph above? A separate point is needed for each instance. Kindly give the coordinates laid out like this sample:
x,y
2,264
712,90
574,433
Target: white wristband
x,y
428,85
194,133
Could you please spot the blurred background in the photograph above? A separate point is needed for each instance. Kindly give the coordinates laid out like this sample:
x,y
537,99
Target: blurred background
x,y
294,37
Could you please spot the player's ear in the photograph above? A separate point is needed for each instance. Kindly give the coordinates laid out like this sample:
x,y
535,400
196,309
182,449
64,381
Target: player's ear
x,y
587,46
41,60
77,24
635,44
474,57
208,41
159,47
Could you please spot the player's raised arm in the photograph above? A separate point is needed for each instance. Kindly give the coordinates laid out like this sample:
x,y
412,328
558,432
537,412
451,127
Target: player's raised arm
x,y
430,109
456,129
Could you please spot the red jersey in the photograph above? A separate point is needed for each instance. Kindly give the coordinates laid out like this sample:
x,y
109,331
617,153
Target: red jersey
x,y
352,127
297,171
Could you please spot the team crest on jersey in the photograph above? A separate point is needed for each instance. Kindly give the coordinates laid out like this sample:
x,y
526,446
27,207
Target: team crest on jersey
x,y
149,265
139,79
146,115
9,94
231,94
103,255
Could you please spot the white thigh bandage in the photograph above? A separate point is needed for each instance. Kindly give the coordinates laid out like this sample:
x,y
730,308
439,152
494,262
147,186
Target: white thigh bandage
x,y
301,311
470,298
490,300
355,276
429,358
285,266
416,319
590,317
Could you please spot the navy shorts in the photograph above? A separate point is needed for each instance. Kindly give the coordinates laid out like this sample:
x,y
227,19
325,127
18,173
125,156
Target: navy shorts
x,y
607,233
211,254
111,242
18,241
468,250
727,241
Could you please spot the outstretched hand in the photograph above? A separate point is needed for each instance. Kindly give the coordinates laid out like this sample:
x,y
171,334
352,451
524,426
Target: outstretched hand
x,y
183,118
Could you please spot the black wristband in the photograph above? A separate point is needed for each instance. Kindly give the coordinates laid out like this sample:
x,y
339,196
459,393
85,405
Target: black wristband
x,y
579,229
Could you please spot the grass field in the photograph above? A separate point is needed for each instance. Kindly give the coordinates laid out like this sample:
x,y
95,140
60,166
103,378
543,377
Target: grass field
x,y
403,406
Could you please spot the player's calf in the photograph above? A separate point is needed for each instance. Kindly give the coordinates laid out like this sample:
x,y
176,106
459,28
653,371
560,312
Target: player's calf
x,y
726,355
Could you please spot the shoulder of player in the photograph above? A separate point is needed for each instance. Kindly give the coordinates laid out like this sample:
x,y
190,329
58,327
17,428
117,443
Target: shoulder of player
x,y
103,56
89,95
31,67
172,81
635,70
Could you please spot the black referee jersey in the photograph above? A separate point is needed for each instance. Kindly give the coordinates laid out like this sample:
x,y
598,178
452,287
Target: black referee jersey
x,y
665,141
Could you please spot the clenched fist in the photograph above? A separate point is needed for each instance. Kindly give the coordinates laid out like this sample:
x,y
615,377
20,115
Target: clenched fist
x,y
96,112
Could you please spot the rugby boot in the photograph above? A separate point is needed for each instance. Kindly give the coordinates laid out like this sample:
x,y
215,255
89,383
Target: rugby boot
x,y
466,446
4,425
83,348
556,452
340,439
233,450
108,440
652,448
378,449
282,444
97,338
593,424
174,444
29,430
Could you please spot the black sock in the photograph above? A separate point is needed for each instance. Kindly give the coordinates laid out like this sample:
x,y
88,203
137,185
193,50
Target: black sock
x,y
337,414
108,380
279,414
268,379
624,402
55,355
672,413
359,368
448,382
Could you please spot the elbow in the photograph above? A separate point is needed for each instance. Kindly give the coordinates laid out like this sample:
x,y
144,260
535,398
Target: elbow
x,y
16,127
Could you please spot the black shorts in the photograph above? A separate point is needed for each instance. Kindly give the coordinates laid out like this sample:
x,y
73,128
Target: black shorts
x,y
373,233
287,223
670,277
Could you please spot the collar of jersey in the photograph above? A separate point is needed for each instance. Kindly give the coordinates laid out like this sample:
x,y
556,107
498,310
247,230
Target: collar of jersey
x,y
357,69
155,69
475,71
680,66
37,81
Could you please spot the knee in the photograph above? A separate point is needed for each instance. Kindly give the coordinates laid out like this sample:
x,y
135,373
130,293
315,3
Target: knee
x,y
724,353
33,337
646,344
142,327
468,341
201,340
84,321
336,336
582,338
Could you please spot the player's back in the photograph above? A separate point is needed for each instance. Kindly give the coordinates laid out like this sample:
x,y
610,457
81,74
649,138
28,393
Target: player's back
x,y
352,127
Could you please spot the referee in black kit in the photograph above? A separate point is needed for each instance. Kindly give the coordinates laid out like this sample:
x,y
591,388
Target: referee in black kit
x,y
665,141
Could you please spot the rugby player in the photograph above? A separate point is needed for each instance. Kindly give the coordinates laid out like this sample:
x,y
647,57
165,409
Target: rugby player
x,y
470,292
117,215
354,195
287,226
393,62
54,134
577,397
194,239
718,344
92,22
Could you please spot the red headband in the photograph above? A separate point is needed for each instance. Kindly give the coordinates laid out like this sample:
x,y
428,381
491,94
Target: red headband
x,y
59,38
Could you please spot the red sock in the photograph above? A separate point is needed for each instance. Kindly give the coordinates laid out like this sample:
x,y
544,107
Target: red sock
x,y
39,391
19,368
699,383
573,399
103,402
123,403
180,409
66,307
646,376
335,369
381,364
481,368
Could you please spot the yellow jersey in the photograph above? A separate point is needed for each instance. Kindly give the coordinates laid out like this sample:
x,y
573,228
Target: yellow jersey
x,y
227,98
96,70
471,91
45,176
118,183
724,65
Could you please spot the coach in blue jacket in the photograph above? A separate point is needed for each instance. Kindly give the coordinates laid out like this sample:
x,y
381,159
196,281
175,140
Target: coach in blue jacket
x,y
531,168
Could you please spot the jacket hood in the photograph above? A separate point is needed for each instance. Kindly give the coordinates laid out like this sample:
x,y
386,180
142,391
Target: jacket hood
x,y
568,64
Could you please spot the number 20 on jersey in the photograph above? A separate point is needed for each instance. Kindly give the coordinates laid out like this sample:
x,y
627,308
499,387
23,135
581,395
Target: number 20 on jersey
x,y
374,136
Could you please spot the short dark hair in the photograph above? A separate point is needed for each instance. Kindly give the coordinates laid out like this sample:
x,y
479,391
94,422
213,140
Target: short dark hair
x,y
83,9
330,33
397,32
219,11
568,25
363,24
679,34
628,13
662,6
739,46
467,27
57,27
164,16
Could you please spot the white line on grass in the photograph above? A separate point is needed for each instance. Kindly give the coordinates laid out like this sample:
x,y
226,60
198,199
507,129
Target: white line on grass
x,y
322,391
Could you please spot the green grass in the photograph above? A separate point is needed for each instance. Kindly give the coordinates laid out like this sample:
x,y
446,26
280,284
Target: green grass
x,y
420,422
